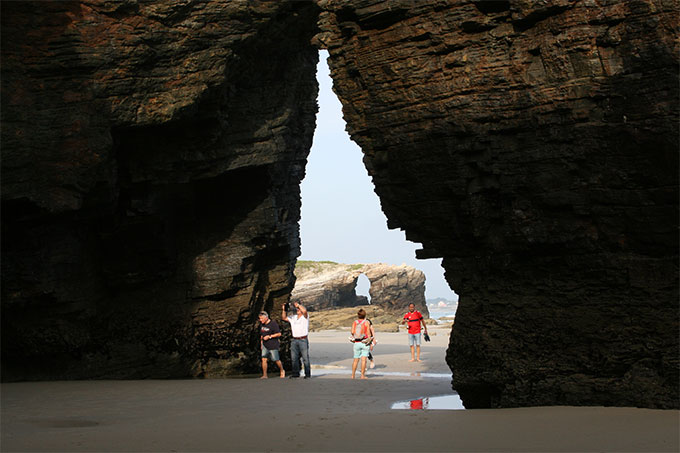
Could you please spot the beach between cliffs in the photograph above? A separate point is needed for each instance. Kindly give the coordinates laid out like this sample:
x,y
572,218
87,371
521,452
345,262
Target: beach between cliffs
x,y
329,412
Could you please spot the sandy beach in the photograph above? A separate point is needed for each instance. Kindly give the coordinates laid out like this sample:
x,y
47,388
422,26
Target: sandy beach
x,y
329,412
331,349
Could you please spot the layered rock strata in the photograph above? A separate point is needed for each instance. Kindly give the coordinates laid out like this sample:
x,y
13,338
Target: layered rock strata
x,y
152,152
533,146
393,288
151,160
322,285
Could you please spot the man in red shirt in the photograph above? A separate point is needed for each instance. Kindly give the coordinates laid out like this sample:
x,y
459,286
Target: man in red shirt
x,y
414,320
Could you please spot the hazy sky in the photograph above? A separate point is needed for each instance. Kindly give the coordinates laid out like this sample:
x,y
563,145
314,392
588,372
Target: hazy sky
x,y
341,216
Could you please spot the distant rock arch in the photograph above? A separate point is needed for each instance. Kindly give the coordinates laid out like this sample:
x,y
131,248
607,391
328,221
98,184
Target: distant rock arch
x,y
323,284
363,286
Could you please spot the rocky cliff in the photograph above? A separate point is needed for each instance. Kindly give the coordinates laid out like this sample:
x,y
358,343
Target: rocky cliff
x,y
322,285
152,153
151,160
533,146
395,287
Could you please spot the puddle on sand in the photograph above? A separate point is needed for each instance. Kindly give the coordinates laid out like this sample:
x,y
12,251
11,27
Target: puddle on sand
x,y
444,402
332,369
322,370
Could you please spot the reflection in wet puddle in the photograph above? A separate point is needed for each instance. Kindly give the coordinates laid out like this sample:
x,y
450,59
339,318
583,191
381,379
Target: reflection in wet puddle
x,y
444,402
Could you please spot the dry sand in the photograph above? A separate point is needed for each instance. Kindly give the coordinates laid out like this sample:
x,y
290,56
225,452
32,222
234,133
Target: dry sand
x,y
330,412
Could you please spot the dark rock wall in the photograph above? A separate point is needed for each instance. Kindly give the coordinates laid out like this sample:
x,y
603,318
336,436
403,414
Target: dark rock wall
x,y
151,160
533,146
152,153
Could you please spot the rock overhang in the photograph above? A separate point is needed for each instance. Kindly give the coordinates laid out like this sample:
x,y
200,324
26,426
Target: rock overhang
x,y
533,148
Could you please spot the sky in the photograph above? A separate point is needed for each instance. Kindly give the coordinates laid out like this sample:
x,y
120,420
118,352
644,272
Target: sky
x,y
341,216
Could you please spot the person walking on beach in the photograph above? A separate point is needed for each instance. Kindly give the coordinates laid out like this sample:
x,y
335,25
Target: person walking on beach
x,y
414,320
361,337
269,342
299,347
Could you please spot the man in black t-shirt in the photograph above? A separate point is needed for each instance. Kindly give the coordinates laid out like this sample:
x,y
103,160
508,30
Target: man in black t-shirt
x,y
269,342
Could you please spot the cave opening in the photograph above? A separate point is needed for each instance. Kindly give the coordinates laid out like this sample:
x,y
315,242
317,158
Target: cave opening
x,y
545,202
341,216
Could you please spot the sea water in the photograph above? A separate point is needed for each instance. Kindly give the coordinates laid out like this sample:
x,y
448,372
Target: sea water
x,y
436,313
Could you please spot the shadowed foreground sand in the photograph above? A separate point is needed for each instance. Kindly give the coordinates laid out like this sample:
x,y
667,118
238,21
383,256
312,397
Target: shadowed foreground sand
x,y
327,413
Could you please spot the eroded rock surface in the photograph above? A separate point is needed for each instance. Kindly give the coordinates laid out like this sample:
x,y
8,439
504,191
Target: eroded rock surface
x,y
533,146
151,160
322,285
152,153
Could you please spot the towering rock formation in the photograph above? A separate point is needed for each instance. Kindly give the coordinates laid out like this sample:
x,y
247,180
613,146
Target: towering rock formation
x,y
152,153
395,287
533,145
151,160
322,284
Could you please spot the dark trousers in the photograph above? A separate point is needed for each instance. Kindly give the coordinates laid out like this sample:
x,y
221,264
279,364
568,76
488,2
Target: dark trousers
x,y
299,349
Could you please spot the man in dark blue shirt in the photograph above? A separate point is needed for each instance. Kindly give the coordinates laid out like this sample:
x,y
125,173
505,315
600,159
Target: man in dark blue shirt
x,y
269,342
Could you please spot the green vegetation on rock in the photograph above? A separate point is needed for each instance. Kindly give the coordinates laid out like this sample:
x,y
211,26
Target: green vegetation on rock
x,y
318,266
306,265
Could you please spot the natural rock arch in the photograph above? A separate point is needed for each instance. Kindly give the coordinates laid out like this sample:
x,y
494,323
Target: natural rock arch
x,y
533,147
322,285
364,286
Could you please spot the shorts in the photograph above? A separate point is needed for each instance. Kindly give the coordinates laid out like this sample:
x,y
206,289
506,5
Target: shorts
x,y
361,349
271,353
414,339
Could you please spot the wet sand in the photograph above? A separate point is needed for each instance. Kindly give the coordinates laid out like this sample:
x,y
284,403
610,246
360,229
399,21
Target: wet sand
x,y
332,348
329,412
